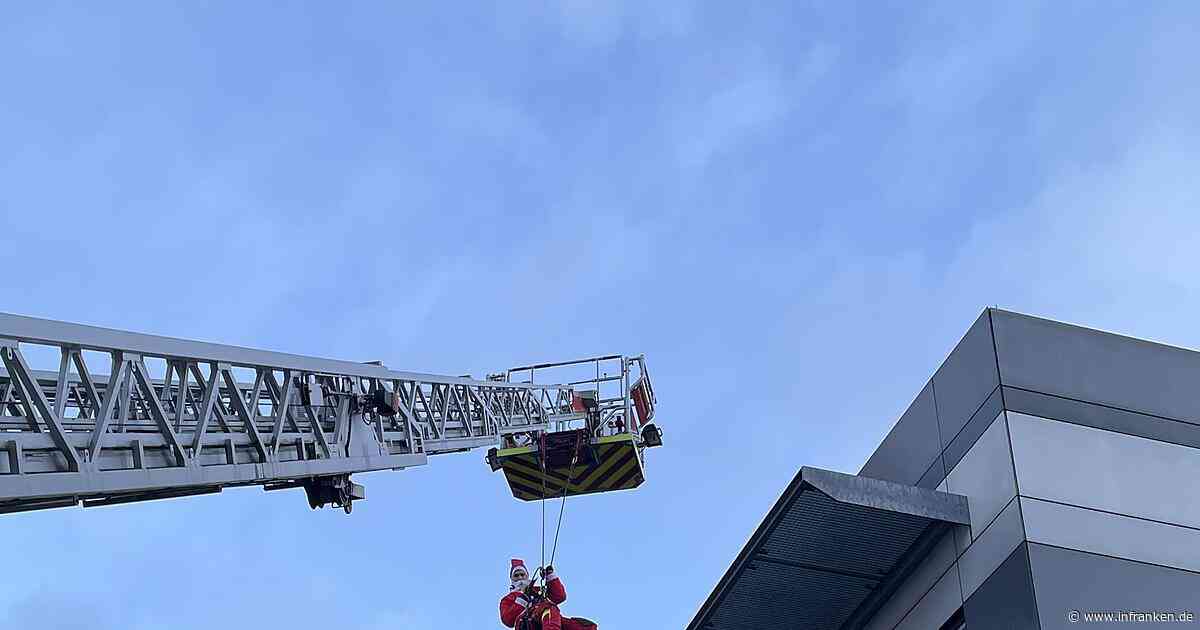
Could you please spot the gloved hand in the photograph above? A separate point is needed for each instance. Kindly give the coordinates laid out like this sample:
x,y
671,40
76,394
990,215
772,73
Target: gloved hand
x,y
549,570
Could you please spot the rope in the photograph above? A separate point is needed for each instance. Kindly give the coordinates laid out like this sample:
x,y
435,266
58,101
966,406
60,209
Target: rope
x,y
542,450
563,505
538,575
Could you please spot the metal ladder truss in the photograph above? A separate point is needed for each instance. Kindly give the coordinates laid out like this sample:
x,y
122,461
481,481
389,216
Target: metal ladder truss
x,y
98,416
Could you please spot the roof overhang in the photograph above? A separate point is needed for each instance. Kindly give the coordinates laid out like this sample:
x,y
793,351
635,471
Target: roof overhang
x,y
830,552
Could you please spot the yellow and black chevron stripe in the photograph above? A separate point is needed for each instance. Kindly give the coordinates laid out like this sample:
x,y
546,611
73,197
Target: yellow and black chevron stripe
x,y
618,467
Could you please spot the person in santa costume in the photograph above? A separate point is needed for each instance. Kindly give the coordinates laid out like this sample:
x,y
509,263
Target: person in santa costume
x,y
528,604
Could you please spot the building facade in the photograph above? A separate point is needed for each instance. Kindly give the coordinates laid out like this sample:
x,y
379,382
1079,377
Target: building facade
x,y
1077,453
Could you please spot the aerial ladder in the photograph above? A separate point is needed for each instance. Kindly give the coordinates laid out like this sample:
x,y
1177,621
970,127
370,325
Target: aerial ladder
x,y
93,416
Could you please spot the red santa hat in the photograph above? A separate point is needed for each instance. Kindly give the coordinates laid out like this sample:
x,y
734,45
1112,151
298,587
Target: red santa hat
x,y
517,563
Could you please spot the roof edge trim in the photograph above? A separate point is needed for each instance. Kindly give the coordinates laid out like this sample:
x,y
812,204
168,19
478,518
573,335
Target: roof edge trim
x,y
888,495
844,488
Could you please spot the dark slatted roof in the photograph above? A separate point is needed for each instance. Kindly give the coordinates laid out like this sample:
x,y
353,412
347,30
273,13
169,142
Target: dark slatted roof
x,y
829,553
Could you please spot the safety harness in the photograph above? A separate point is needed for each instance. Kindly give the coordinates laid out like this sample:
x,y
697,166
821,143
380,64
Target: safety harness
x,y
527,620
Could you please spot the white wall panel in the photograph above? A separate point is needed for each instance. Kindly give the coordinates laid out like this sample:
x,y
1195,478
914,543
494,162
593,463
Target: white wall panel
x,y
1111,535
1107,471
985,476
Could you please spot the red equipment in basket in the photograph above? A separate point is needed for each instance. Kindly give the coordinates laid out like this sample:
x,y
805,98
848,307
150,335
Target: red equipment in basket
x,y
643,402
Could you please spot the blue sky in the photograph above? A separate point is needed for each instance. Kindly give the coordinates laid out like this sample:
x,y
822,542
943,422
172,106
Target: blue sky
x,y
793,210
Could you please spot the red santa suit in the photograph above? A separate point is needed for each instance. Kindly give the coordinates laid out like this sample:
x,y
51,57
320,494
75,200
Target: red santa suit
x,y
544,609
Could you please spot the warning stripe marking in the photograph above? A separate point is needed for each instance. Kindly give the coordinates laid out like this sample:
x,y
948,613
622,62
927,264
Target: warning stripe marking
x,y
619,468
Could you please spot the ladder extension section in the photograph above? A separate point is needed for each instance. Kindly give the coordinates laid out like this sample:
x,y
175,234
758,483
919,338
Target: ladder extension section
x,y
130,417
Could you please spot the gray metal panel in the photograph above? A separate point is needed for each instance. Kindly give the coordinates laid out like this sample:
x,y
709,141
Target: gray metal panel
x,y
1111,534
974,428
1005,601
938,605
985,475
934,476
991,548
1102,417
932,568
962,533
1093,366
964,382
830,552
911,447
1067,580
